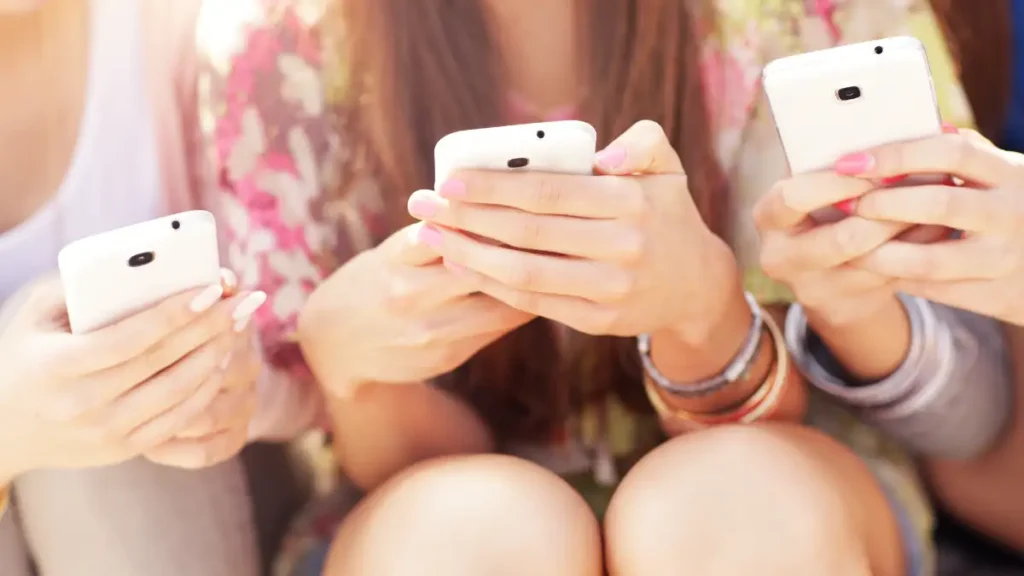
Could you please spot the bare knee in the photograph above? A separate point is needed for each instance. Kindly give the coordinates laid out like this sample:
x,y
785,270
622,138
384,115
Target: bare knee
x,y
750,500
470,515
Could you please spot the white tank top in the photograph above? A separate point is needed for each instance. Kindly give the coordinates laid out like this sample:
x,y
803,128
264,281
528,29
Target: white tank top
x,y
113,178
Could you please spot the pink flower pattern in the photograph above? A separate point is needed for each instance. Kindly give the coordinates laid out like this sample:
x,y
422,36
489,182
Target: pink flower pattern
x,y
270,136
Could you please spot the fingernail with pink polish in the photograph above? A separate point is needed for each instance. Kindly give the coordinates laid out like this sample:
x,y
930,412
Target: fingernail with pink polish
x,y
847,207
430,236
893,180
453,189
611,158
853,164
948,128
422,207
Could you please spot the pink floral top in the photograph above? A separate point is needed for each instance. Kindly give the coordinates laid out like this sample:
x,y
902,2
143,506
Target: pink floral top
x,y
266,92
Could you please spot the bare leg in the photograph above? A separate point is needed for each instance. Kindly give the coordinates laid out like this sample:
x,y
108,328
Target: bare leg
x,y
14,559
140,518
472,515
777,499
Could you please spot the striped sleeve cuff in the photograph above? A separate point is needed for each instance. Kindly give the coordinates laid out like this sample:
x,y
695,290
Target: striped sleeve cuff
x,y
950,397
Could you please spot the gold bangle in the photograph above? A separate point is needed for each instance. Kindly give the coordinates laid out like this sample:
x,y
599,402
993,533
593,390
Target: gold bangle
x,y
760,405
5,500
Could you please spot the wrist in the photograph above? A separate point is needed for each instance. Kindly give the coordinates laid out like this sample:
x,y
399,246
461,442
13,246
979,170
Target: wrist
x,y
872,347
701,347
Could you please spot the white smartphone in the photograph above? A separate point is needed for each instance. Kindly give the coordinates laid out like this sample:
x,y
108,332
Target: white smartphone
x,y
566,146
110,276
834,102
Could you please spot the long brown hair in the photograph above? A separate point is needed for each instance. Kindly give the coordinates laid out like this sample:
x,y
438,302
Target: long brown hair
x,y
418,70
980,37
423,69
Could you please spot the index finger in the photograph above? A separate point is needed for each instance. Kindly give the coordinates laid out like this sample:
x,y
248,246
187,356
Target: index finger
x,y
966,155
791,201
604,197
133,336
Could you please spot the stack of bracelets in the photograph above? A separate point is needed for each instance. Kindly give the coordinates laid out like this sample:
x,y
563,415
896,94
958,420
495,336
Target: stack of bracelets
x,y
759,405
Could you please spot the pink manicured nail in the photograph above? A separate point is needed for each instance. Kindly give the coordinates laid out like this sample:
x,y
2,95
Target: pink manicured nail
x,y
893,180
422,208
847,207
611,158
430,236
853,164
948,128
453,189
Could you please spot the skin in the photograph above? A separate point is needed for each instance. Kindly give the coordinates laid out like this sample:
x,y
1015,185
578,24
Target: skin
x,y
814,508
176,421
982,273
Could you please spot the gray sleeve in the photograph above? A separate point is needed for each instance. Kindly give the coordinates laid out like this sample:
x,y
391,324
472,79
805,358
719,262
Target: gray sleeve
x,y
951,397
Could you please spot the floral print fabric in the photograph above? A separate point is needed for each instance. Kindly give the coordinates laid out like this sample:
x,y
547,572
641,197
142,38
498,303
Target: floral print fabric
x,y
265,93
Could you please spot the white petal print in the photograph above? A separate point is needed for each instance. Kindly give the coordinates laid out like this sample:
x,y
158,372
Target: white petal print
x,y
251,144
302,84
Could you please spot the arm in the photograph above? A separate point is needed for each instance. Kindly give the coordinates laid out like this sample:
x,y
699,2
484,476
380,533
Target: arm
x,y
269,153
691,357
986,492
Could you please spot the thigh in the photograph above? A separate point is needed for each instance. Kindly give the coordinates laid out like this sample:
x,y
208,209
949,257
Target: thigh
x,y
140,518
14,560
772,499
473,515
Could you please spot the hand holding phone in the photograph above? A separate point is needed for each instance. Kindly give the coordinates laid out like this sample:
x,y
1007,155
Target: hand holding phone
x,y
94,399
832,103
395,315
583,238
829,107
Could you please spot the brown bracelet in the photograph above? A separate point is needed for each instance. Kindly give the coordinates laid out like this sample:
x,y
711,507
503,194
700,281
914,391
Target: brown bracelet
x,y
760,405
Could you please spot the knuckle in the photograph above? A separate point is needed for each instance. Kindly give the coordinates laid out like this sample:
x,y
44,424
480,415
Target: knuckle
x,y
631,244
420,335
522,274
944,205
620,285
846,241
547,195
960,152
399,295
652,132
632,195
528,232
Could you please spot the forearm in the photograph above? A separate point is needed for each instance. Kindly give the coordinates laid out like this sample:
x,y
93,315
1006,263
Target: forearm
x,y
385,428
949,397
871,348
985,492
687,356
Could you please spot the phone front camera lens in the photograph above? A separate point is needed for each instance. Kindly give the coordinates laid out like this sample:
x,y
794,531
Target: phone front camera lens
x,y
879,49
540,134
175,224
